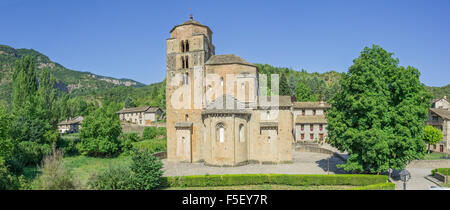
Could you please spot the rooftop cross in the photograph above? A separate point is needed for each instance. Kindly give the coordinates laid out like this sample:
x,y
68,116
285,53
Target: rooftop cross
x,y
190,15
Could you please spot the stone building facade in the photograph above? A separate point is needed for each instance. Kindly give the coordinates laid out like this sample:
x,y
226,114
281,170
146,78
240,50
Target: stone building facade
x,y
215,113
70,125
310,121
439,117
145,115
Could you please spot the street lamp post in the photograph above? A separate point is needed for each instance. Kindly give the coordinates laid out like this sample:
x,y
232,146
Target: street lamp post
x,y
405,176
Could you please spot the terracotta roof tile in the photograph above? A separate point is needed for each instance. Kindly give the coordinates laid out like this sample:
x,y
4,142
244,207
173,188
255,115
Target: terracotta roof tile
x,y
311,105
311,119
444,113
227,59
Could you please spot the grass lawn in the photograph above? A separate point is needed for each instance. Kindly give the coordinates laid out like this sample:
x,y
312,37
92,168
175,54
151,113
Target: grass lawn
x,y
82,167
435,156
263,187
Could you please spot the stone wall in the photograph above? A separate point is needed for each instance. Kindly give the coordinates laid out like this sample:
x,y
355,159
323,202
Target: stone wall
x,y
429,164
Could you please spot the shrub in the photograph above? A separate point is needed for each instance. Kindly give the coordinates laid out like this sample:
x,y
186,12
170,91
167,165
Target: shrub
x,y
99,147
283,179
9,181
68,145
380,186
133,137
113,178
146,171
152,146
31,153
440,170
53,174
154,132
127,147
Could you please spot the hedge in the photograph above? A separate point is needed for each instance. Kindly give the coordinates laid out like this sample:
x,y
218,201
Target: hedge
x,y
443,171
283,179
380,186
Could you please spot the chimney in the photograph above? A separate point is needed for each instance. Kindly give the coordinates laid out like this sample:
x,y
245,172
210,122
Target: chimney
x,y
321,103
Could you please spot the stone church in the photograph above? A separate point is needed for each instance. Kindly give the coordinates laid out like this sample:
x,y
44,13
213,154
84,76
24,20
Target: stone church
x,y
215,111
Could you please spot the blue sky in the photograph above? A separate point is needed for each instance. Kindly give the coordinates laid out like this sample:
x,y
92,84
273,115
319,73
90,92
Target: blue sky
x,y
126,39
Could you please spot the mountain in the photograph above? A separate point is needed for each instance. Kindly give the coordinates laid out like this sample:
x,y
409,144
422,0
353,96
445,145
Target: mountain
x,y
67,80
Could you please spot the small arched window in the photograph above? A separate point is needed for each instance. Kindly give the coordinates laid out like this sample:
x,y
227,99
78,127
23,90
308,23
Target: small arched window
x,y
182,62
187,62
187,78
220,133
221,81
182,45
241,133
268,115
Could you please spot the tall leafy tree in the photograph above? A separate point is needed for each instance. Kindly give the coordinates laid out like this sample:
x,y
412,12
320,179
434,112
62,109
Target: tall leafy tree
x,y
431,136
24,83
47,97
379,113
162,95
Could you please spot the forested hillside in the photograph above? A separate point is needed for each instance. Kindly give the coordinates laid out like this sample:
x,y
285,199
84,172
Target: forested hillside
x,y
439,92
66,80
303,85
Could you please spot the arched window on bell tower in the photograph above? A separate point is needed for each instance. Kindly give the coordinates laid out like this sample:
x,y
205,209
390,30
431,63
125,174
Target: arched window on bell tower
x,y
182,62
182,45
187,46
187,61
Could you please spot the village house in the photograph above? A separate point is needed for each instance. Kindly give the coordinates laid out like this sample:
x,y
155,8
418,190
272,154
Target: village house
x,y
439,117
70,125
145,115
310,121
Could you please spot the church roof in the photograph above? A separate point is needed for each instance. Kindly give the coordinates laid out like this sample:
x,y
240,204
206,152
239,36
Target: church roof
x,y
191,22
148,109
76,120
283,101
227,59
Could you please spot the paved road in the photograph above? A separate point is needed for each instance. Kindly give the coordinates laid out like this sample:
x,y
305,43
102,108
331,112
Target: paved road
x,y
303,163
417,181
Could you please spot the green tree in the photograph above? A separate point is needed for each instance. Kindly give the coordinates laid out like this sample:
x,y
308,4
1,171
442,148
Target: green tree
x,y
129,103
284,86
162,95
100,132
379,113
303,93
146,170
6,141
47,97
431,136
24,83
